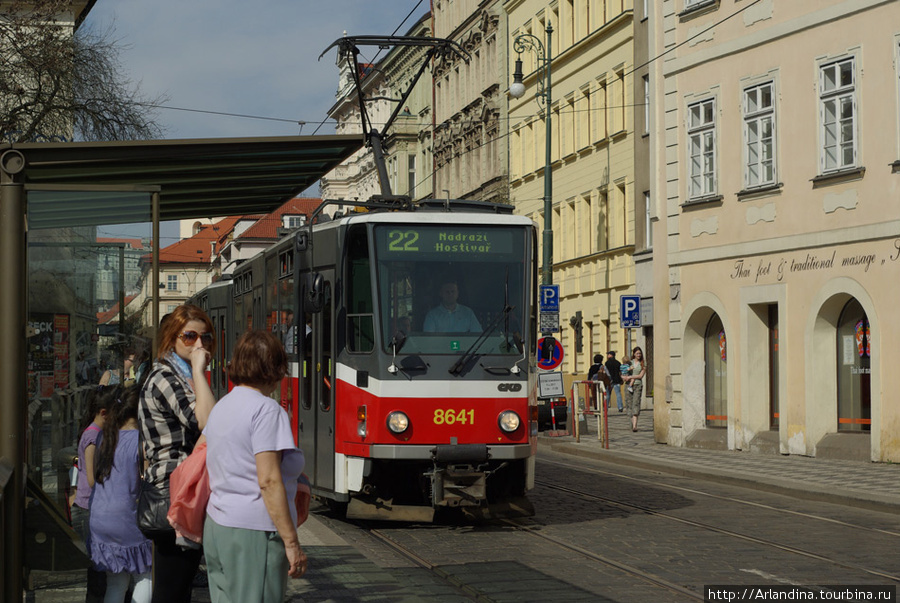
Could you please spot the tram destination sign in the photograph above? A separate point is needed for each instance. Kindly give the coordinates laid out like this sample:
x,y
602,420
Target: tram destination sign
x,y
403,241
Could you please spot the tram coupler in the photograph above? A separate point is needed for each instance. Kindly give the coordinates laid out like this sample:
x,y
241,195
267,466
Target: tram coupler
x,y
458,486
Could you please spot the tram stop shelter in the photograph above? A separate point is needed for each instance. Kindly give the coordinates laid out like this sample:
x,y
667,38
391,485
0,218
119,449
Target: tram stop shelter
x,y
53,198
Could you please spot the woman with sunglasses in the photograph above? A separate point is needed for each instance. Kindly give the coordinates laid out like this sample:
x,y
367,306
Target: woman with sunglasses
x,y
175,403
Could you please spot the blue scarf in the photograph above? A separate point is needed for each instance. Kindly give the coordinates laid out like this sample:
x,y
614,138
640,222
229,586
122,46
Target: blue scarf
x,y
182,368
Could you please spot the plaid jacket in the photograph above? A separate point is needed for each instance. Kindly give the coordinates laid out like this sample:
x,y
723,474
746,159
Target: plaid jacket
x,y
169,427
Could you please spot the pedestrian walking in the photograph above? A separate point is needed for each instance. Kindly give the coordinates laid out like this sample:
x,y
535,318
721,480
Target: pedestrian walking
x,y
597,372
95,417
117,545
614,370
250,536
635,384
175,403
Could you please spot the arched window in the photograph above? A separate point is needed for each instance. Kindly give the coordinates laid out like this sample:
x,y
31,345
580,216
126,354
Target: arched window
x,y
854,342
716,373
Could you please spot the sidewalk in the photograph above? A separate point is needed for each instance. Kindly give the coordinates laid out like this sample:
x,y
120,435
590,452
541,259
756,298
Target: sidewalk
x,y
869,485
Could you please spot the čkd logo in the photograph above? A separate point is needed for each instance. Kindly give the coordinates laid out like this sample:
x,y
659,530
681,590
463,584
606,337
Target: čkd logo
x,y
509,387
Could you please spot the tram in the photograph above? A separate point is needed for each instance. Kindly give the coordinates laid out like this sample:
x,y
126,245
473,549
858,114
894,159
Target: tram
x,y
398,414
411,334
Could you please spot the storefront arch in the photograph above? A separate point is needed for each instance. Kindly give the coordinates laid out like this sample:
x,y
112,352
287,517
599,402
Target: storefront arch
x,y
822,359
701,310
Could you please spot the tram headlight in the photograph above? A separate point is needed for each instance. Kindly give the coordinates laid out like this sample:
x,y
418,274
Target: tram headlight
x,y
508,421
398,422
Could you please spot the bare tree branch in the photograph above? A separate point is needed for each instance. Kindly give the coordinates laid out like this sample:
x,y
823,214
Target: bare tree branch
x,y
56,85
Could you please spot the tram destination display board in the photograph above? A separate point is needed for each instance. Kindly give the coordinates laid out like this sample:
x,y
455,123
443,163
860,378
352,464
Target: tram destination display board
x,y
451,242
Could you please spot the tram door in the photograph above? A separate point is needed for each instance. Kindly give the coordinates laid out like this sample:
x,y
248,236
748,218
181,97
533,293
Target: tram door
x,y
316,423
323,384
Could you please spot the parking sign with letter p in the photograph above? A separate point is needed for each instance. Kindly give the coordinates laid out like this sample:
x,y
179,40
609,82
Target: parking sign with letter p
x,y
630,311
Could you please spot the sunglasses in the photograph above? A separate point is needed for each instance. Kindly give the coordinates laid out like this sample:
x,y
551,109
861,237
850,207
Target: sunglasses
x,y
190,338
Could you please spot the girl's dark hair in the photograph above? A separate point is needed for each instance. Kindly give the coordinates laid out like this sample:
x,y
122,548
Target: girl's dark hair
x,y
258,359
123,406
95,403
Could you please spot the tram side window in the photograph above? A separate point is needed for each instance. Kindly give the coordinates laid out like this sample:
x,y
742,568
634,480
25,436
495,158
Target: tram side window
x,y
287,318
360,307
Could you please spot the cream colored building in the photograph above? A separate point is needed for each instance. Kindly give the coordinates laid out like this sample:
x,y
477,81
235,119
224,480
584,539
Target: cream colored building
x,y
592,138
470,153
777,250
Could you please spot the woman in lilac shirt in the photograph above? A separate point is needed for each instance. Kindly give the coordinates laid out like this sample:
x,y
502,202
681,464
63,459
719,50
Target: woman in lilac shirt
x,y
249,537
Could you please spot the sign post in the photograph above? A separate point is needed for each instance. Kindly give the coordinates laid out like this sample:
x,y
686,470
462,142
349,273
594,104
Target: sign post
x,y
630,316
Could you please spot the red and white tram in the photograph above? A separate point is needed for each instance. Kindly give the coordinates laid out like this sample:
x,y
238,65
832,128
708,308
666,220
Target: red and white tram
x,y
400,415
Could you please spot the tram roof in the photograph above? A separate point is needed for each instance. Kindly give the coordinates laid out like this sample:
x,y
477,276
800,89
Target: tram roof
x,y
195,178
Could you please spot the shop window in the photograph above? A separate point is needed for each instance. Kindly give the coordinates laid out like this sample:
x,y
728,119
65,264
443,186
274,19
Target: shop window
x,y
854,344
716,356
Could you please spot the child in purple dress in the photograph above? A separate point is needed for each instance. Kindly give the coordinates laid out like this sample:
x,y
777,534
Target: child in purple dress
x,y
117,545
92,424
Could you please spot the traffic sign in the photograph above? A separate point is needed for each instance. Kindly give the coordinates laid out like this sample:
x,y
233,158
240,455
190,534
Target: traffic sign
x,y
556,357
630,311
549,298
549,322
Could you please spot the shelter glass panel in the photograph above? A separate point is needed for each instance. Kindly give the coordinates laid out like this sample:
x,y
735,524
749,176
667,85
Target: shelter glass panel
x,y
89,322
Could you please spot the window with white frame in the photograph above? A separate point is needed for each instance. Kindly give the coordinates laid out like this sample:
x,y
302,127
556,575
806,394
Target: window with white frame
x,y
648,227
759,135
289,221
172,282
411,175
702,148
837,112
646,80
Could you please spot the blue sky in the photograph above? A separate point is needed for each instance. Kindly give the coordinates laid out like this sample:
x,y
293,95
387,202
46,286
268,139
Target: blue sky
x,y
232,56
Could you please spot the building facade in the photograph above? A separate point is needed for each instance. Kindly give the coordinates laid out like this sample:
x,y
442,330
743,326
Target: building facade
x,y
777,250
592,159
470,153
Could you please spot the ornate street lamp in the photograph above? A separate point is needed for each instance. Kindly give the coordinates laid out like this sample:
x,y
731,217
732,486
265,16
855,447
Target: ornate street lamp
x,y
522,43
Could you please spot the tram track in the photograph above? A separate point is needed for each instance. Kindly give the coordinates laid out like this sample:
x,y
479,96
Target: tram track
x,y
724,531
519,526
694,491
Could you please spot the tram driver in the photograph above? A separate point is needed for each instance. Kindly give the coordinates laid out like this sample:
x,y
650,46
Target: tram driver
x,y
450,316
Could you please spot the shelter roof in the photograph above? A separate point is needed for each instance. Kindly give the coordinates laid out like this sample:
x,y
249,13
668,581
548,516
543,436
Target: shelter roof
x,y
195,178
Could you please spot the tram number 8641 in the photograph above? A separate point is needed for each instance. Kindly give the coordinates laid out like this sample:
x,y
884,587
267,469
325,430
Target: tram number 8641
x,y
449,416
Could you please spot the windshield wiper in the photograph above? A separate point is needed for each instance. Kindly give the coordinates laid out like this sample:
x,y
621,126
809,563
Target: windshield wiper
x,y
479,341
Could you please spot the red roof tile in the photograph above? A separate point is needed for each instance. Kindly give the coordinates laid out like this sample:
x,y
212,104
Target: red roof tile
x,y
266,228
113,313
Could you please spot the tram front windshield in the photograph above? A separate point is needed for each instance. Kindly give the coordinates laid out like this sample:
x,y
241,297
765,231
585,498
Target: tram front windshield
x,y
444,286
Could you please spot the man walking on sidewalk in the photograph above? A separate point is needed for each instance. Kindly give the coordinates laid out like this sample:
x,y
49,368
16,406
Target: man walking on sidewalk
x,y
615,376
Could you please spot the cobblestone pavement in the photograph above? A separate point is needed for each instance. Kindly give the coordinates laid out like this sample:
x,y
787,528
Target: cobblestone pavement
x,y
345,569
855,483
